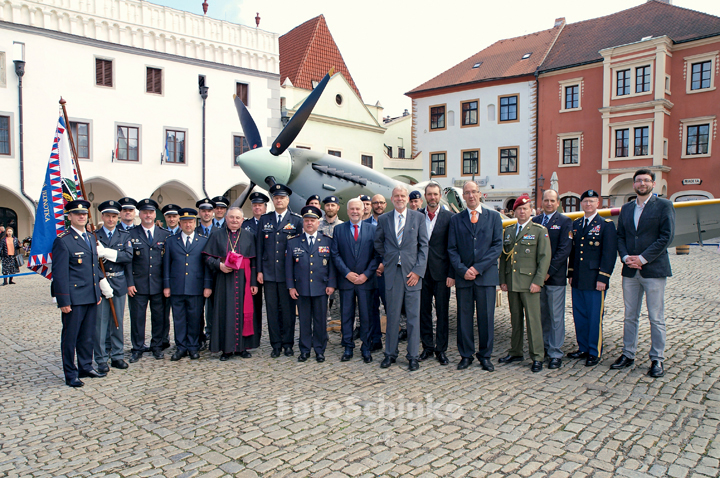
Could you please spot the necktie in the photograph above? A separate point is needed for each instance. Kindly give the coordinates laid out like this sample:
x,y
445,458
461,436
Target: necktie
x,y
473,219
517,234
355,234
545,220
312,239
87,240
431,215
187,241
110,235
217,223
279,218
585,223
400,229
149,234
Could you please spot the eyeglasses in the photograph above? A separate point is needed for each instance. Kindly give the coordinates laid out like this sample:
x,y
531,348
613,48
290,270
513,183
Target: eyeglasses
x,y
647,181
378,202
468,193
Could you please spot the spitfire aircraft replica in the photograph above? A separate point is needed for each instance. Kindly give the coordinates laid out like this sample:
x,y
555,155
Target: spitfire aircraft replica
x,y
309,172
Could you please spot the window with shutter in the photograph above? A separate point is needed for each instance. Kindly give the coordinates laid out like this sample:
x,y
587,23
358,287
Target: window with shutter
x,y
103,72
154,81
242,92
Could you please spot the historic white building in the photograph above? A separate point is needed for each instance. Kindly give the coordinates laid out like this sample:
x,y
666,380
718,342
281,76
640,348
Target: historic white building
x,y
131,73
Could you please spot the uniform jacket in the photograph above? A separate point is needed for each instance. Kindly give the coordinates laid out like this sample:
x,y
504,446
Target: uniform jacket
x,y
184,268
475,245
199,230
350,256
559,228
250,225
593,254
655,231
75,269
118,271
272,242
147,263
525,259
309,270
412,252
438,264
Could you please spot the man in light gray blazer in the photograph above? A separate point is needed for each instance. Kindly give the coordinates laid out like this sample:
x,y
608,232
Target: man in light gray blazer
x,y
401,240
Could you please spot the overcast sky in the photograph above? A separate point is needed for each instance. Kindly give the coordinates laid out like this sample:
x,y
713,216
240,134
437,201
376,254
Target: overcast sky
x,y
392,46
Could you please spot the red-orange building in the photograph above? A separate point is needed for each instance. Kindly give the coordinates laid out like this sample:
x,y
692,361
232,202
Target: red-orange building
x,y
637,88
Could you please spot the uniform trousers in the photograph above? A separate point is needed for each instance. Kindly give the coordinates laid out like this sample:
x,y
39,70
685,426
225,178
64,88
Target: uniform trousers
x,y
312,319
588,310
654,290
107,336
478,298
280,308
438,341
138,318
187,313
395,297
77,337
349,298
552,310
257,313
526,304
378,295
167,308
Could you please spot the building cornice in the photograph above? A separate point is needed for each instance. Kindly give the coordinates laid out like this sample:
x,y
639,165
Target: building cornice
x,y
473,85
653,105
661,169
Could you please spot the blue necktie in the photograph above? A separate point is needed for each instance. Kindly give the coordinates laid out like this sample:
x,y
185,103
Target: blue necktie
x,y
109,235
545,220
149,234
84,235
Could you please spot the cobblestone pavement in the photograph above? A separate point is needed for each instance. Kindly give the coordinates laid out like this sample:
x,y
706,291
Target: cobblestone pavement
x,y
263,416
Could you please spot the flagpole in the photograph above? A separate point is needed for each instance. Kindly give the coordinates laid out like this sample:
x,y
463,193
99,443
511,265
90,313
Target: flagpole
x,y
82,188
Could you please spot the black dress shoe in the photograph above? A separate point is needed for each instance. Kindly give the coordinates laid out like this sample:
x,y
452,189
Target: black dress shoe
x,y
591,361
320,358
225,357
203,345
158,354
536,366
402,335
178,355
622,362
121,364
165,345
367,358
414,365
387,362
348,355
303,357
442,358
511,359
146,349
194,355
275,353
656,369
577,355
92,373
377,346
464,363
74,382
289,352
103,368
426,354
486,364
555,363
135,357
245,354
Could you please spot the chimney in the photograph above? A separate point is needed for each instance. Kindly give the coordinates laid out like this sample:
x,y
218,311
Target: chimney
x,y
257,20
559,21
205,7
405,113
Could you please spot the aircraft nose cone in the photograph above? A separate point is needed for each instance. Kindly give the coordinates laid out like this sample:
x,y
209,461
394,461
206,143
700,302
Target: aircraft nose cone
x,y
258,164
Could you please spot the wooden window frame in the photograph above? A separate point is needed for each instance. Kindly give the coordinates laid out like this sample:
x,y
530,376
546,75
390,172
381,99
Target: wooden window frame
x,y
561,138
103,83
686,124
154,80
646,76
332,152
624,138
575,97
174,152
575,147
76,138
401,153
363,158
517,160
566,198
232,146
635,141
444,117
500,108
389,151
137,127
242,90
477,113
631,126
627,85
9,154
462,162
430,158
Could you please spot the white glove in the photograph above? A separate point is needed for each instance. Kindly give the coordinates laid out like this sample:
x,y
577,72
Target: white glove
x,y
106,252
105,288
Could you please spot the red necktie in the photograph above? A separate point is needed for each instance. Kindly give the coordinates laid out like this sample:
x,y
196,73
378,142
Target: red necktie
x,y
431,215
356,231
474,217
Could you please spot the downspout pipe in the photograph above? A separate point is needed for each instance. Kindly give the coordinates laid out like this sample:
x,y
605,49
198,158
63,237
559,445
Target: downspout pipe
x,y
537,134
20,72
203,95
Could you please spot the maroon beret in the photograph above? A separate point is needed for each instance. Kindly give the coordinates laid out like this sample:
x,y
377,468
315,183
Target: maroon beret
x,y
522,200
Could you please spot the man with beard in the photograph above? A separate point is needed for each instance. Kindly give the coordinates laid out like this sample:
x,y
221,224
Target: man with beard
x,y
378,207
327,225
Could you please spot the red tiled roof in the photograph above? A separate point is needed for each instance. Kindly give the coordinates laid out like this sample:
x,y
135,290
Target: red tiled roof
x,y
580,42
502,59
307,52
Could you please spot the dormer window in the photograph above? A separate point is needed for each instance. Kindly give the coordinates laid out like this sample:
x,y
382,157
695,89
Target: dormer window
x,y
526,56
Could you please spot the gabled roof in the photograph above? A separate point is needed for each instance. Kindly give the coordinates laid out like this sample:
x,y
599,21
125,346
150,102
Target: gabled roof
x,y
579,43
502,59
307,52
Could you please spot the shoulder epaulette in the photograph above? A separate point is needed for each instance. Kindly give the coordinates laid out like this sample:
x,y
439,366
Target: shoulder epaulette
x,y
293,237
63,234
296,214
608,220
121,231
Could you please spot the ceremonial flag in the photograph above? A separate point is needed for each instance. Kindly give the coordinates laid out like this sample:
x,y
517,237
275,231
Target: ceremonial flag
x,y
61,185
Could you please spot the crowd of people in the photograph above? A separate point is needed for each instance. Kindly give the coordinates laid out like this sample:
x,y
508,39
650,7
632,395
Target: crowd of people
x,y
212,275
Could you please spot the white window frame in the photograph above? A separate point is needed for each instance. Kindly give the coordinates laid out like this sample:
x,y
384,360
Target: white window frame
x,y
631,125
712,56
89,122
181,130
566,83
632,66
684,123
561,137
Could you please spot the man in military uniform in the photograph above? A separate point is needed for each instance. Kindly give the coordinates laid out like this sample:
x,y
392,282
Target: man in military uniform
x,y
524,263
592,261
77,284
127,213
416,200
221,206
259,207
206,211
313,200
115,249
367,206
310,279
145,283
327,225
172,218
273,232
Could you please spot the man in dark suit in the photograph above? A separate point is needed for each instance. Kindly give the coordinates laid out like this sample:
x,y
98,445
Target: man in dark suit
x,y
172,218
378,204
439,278
145,284
273,232
128,209
646,227
221,206
116,251
186,280
77,283
402,241
552,295
206,212
474,245
592,260
353,251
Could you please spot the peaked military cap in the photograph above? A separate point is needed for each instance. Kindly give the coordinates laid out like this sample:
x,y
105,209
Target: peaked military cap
x,y
311,211
147,205
79,206
171,209
205,203
187,213
221,201
280,190
112,207
258,197
127,203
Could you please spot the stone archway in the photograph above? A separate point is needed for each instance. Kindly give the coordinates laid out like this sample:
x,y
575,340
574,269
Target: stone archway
x,y
234,193
25,216
173,192
622,191
100,190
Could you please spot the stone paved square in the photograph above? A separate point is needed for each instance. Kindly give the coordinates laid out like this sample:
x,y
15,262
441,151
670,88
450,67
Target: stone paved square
x,y
278,417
